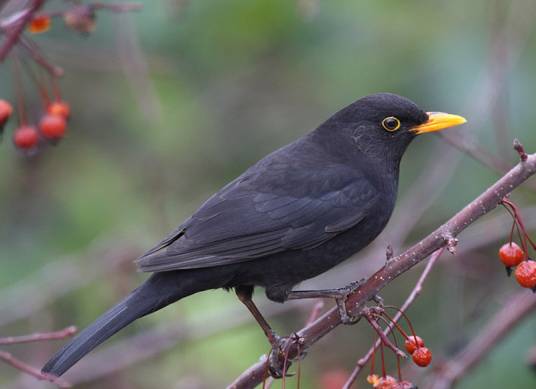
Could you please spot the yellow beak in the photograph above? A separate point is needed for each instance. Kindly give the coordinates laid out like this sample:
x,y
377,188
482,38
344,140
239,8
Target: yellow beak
x,y
438,121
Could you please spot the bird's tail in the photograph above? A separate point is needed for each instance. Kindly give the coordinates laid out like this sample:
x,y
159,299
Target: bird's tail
x,y
159,290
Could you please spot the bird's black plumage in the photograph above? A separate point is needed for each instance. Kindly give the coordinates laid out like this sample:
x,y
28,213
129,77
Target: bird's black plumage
x,y
293,215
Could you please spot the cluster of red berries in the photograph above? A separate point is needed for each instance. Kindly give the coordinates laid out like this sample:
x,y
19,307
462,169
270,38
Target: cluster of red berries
x,y
421,355
511,256
51,127
53,122
514,256
78,17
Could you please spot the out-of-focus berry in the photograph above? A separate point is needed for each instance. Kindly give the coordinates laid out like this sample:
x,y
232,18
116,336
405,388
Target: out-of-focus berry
x,y
39,24
53,127
25,137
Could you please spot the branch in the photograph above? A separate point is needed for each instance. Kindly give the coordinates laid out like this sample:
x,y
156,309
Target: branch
x,y
483,204
26,368
13,35
39,336
517,308
479,154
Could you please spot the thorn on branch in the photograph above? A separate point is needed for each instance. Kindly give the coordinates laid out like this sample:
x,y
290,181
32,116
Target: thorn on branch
x,y
518,146
452,242
389,253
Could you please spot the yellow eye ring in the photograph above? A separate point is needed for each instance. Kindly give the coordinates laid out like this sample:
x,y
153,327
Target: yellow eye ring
x,y
391,124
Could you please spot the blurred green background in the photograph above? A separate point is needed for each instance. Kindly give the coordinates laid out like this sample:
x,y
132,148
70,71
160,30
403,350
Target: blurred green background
x,y
172,102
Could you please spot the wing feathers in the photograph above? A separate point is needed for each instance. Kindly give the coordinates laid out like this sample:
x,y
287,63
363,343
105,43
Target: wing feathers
x,y
240,224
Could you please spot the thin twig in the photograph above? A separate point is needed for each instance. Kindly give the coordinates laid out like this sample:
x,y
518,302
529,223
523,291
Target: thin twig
x,y
383,338
315,312
39,337
25,368
39,58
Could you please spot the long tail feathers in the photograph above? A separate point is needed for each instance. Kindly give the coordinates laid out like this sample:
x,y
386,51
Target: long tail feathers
x,y
142,301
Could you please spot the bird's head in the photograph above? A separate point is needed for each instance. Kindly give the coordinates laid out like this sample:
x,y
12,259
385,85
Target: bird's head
x,y
383,125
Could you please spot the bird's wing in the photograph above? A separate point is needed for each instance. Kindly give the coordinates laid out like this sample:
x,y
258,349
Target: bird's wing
x,y
265,211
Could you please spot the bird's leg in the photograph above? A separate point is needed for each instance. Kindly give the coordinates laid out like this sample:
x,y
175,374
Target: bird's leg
x,y
244,294
340,296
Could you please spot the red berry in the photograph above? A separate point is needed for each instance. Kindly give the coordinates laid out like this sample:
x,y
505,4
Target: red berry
x,y
422,356
511,254
39,24
53,126
412,343
25,137
5,111
526,274
60,108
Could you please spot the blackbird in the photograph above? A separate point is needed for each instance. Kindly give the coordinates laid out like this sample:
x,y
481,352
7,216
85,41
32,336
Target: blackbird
x,y
293,215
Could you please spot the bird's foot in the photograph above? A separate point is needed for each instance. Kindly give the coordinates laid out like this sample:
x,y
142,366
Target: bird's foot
x,y
279,359
340,295
346,318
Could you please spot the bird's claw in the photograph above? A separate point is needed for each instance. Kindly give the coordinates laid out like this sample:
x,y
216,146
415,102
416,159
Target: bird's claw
x,y
276,359
346,318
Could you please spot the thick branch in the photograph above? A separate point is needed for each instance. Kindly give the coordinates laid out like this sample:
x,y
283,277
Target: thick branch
x,y
402,263
517,308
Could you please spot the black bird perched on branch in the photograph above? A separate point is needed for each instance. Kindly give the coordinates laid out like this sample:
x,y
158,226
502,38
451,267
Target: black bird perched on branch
x,y
293,215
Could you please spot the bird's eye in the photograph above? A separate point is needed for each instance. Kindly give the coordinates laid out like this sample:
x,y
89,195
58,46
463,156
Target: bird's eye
x,y
391,123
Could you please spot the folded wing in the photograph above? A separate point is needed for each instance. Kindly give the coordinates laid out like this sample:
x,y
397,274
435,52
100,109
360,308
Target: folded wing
x,y
261,214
